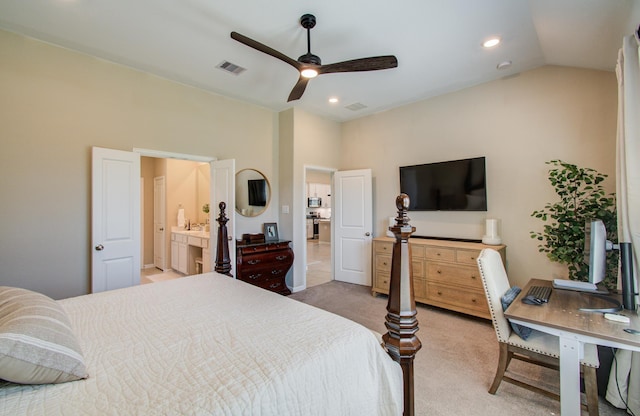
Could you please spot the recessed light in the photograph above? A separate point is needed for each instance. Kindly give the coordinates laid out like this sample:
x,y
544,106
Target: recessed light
x,y
333,100
490,43
503,65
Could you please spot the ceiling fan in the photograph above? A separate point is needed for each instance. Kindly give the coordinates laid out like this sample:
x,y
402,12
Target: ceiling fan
x,y
310,65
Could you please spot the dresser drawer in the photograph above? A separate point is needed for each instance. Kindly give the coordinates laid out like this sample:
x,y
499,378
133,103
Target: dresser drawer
x,y
272,258
418,269
260,248
254,274
383,262
460,299
381,280
274,285
468,257
440,253
417,252
454,274
383,247
265,265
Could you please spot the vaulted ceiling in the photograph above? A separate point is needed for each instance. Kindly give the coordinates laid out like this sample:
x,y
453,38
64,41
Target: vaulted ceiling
x,y
437,43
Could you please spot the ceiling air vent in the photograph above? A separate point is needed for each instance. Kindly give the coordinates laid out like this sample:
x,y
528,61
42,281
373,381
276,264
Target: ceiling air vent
x,y
232,68
356,106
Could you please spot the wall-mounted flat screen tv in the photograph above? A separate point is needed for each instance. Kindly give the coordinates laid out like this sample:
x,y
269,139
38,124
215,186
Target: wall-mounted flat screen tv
x,y
257,192
456,185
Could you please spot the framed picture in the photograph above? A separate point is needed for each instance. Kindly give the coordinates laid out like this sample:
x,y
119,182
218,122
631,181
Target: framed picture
x,y
271,231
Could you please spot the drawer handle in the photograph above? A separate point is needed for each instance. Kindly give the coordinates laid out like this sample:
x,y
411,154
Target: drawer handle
x,y
439,292
274,285
274,272
255,276
473,276
472,258
384,263
473,300
437,254
280,258
439,271
253,261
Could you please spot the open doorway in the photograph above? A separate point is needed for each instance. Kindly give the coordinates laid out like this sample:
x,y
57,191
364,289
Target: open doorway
x,y
178,186
319,245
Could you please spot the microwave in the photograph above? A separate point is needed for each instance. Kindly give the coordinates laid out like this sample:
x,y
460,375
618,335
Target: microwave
x,y
314,202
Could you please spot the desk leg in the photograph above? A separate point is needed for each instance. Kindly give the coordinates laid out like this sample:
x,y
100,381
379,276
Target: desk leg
x,y
570,352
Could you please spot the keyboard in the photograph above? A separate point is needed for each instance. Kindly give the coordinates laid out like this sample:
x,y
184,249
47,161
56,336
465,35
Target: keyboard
x,y
577,286
540,292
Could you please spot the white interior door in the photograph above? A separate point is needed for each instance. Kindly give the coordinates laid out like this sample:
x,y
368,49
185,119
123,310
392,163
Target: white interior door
x,y
159,209
223,189
353,224
115,228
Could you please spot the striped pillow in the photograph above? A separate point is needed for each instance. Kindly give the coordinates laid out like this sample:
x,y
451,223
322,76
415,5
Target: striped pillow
x,y
37,344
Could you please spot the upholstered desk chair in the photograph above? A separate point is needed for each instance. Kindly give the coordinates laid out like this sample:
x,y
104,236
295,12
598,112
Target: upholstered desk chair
x,y
539,348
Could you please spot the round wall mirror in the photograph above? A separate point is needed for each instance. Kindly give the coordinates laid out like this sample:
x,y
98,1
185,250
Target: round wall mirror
x,y
253,192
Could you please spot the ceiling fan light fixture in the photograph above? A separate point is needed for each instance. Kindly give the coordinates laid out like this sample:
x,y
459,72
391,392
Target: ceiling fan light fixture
x,y
309,72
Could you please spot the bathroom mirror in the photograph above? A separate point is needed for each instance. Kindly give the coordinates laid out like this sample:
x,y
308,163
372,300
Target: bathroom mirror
x,y
253,192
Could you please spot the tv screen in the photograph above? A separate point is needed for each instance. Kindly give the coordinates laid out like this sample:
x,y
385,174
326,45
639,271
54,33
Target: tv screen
x,y
457,185
257,192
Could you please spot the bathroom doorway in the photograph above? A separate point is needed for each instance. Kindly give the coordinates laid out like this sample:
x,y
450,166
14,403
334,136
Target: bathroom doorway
x,y
178,184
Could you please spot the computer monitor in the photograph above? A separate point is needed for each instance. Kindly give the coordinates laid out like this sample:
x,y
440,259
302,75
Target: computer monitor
x,y
595,250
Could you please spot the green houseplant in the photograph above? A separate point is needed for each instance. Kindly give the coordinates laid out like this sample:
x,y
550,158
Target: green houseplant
x,y
582,198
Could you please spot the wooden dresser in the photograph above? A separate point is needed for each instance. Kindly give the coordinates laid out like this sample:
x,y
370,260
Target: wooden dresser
x,y
445,273
265,265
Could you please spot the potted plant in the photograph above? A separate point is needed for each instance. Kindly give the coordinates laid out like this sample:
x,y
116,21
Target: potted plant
x,y
582,198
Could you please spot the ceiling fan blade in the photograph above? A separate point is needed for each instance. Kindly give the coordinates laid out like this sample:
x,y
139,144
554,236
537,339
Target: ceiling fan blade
x,y
298,89
363,64
265,49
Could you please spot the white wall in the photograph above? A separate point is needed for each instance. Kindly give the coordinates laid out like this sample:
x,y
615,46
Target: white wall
x,y
518,123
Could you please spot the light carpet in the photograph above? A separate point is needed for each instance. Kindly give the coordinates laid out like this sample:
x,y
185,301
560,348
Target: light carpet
x,y
457,362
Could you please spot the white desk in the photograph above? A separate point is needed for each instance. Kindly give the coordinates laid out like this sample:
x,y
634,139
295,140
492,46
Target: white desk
x,y
574,328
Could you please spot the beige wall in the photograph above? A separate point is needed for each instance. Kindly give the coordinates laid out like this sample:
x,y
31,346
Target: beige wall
x,y
308,141
518,123
54,106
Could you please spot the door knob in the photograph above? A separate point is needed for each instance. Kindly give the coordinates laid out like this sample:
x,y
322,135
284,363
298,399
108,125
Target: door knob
x,y
161,229
367,234
99,247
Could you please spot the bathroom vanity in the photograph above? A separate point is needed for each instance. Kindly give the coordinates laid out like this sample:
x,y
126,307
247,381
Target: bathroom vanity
x,y
190,252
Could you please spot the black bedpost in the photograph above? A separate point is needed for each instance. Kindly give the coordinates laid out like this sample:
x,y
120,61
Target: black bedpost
x,y
223,262
401,322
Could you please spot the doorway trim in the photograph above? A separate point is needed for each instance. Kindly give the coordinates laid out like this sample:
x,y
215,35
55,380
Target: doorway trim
x,y
330,171
172,155
160,154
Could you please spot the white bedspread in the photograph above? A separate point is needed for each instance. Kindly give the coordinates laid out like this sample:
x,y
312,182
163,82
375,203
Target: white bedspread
x,y
209,344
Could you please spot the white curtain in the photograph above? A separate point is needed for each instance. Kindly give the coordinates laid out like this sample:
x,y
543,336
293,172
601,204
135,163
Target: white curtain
x,y
624,381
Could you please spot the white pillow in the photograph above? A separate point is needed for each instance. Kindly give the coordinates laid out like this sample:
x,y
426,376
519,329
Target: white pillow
x,y
37,344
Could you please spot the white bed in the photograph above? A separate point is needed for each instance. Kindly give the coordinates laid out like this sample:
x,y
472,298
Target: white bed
x,y
209,344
